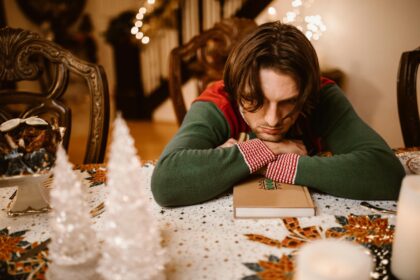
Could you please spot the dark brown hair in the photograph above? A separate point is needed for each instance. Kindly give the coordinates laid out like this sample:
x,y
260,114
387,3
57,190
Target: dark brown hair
x,y
282,48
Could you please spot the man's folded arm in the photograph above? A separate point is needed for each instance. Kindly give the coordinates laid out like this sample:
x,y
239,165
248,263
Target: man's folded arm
x,y
192,169
362,165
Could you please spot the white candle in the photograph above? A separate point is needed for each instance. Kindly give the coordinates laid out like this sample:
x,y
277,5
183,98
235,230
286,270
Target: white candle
x,y
331,259
405,262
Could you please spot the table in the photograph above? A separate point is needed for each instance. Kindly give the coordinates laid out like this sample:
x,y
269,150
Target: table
x,y
205,241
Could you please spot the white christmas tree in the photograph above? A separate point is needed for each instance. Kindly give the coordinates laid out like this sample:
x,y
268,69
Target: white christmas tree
x,y
73,250
132,242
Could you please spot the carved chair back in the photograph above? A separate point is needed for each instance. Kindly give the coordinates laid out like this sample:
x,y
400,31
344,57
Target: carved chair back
x,y
408,109
26,56
203,58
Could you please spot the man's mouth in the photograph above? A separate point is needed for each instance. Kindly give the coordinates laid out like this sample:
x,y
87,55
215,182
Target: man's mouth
x,y
271,131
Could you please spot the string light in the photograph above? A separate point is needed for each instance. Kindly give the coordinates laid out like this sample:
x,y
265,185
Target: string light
x,y
145,40
139,23
272,11
290,17
296,3
136,30
152,17
312,26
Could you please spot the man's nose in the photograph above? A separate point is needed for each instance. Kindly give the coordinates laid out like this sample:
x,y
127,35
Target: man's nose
x,y
272,115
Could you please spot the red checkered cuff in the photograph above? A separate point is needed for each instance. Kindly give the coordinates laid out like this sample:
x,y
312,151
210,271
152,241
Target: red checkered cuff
x,y
283,169
256,154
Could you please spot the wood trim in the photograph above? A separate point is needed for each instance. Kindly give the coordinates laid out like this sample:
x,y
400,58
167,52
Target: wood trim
x,y
16,65
179,21
200,15
3,22
251,8
407,97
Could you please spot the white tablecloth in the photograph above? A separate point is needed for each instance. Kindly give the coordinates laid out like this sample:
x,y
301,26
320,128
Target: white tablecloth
x,y
205,241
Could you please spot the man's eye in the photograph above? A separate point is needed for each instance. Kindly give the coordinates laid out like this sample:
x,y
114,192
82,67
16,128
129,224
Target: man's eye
x,y
292,101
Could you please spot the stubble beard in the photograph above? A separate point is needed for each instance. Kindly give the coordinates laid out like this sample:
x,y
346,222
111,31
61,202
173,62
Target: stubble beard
x,y
269,138
274,139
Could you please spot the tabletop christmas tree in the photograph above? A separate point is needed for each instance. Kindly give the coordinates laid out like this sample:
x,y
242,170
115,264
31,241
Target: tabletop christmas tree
x,y
73,250
132,242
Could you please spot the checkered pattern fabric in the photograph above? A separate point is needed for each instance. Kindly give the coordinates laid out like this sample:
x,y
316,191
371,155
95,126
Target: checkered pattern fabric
x,y
256,154
283,169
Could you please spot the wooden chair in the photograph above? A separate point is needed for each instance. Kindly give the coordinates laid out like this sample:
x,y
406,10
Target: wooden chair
x,y
25,56
203,58
407,97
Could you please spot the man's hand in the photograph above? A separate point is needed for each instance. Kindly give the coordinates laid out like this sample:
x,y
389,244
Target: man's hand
x,y
229,143
232,141
286,147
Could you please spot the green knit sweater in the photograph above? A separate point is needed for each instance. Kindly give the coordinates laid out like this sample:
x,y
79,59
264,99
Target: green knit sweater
x,y
192,169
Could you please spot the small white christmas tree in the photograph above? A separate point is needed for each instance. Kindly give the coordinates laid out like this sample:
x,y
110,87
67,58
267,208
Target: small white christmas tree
x,y
74,248
132,241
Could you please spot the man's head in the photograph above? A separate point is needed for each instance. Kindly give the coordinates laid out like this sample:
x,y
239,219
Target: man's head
x,y
274,76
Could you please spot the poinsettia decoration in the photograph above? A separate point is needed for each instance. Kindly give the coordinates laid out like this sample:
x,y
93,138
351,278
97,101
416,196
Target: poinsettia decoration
x,y
97,173
20,259
365,230
373,232
272,268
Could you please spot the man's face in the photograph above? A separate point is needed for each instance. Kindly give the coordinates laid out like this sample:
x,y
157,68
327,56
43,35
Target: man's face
x,y
280,96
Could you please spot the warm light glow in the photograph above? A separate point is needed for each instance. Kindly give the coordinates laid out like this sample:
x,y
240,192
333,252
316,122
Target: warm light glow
x,y
272,11
312,26
134,30
145,40
290,17
139,23
333,259
296,3
315,26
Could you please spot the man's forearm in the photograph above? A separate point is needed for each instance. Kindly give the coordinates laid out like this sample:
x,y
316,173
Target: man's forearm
x,y
190,176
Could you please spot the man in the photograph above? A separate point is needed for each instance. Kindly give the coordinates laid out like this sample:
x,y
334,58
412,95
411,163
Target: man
x,y
272,90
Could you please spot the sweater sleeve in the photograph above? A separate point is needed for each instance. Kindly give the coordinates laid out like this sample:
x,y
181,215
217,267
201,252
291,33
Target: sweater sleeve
x,y
192,168
362,166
